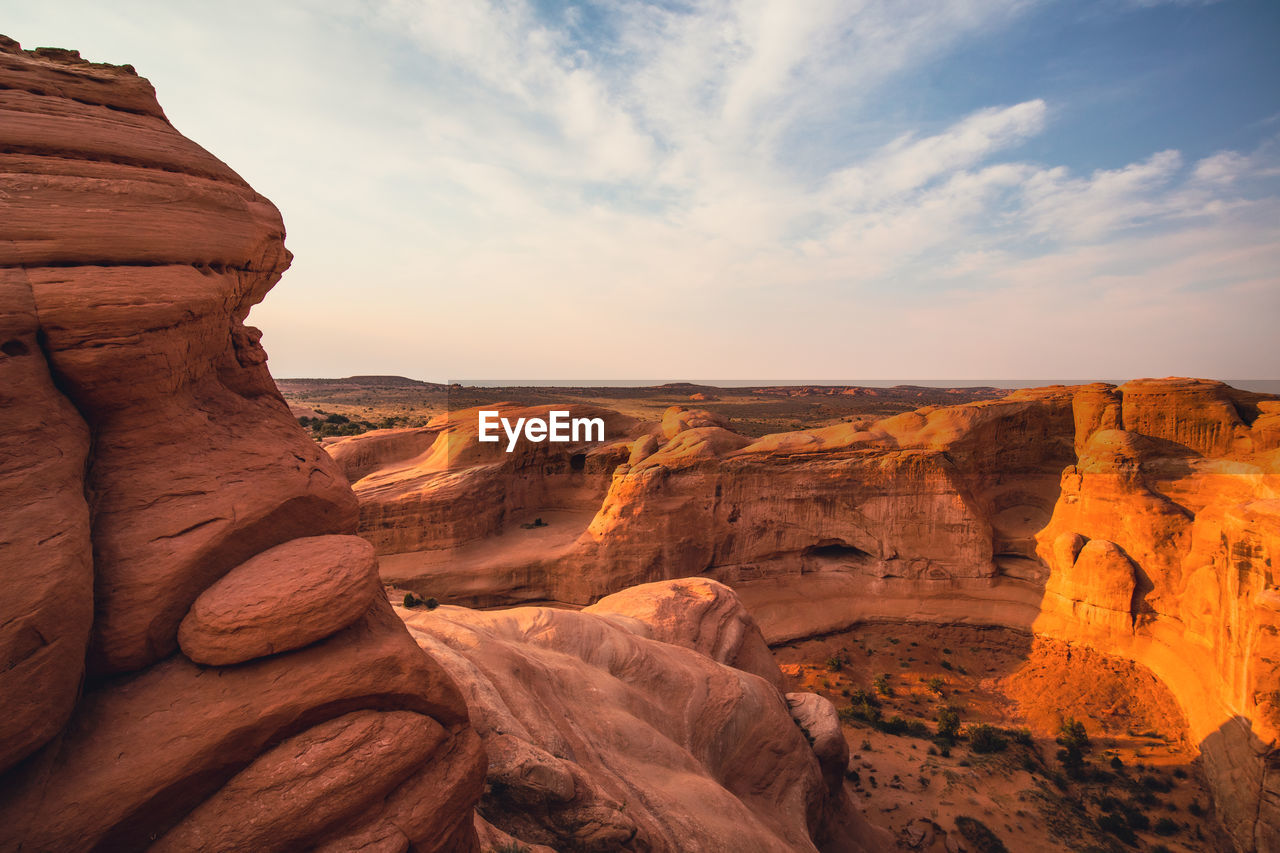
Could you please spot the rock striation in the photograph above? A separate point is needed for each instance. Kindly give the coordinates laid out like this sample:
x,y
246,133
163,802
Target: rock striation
x,y
600,736
196,653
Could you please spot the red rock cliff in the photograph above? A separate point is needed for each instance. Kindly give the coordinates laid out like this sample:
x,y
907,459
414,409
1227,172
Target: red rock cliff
x,y
196,652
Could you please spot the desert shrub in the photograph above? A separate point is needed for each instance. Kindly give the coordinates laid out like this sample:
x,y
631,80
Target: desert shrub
x,y
1195,808
1164,826
431,604
917,728
1075,743
935,684
895,725
946,664
1156,783
836,662
1107,803
1136,818
894,640
862,709
881,684
1116,825
1023,737
1072,734
986,739
948,719
1179,773
979,835
1116,763
1146,798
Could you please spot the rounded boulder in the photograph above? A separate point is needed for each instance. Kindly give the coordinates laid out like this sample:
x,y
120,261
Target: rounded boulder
x,y
285,598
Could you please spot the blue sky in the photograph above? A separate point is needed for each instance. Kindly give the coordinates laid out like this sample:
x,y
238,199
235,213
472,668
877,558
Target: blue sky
x,y
879,189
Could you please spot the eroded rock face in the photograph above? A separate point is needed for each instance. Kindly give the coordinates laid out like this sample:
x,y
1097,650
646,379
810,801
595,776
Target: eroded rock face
x,y
438,487
148,462
601,737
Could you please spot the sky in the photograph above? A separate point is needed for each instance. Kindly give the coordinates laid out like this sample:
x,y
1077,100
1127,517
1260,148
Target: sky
x,y
795,190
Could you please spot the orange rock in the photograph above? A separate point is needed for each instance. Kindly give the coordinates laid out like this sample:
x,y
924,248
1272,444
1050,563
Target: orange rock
x,y
325,775
129,261
285,598
600,737
699,614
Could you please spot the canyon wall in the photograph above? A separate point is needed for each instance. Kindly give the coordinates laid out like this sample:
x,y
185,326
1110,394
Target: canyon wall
x,y
197,654
1142,520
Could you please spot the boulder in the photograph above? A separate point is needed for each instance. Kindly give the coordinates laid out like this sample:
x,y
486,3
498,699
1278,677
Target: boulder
x,y
286,597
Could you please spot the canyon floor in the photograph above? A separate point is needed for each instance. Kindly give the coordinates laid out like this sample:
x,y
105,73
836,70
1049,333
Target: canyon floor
x,y
1140,765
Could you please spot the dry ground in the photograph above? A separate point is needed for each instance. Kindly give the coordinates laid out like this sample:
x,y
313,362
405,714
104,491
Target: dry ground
x,y
1022,793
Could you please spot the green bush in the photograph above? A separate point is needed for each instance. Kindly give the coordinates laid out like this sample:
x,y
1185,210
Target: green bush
x,y
1072,734
1075,743
1164,826
948,719
1116,825
986,739
895,725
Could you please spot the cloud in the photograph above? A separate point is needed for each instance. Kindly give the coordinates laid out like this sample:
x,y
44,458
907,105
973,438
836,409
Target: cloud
x,y
634,189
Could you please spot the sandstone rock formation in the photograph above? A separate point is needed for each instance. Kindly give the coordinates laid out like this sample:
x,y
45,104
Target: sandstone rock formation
x,y
1142,520
153,479
602,737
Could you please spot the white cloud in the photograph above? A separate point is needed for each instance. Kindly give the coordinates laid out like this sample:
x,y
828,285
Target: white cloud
x,y
474,190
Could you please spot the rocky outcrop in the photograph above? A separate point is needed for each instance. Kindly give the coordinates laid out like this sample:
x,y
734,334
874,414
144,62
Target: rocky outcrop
x,y
244,687
601,737
439,487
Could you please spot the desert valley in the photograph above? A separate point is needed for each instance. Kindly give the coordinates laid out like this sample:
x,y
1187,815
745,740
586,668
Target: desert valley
x,y
242,614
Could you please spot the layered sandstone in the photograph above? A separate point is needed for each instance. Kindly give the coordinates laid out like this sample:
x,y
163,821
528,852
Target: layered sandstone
x,y
600,736
153,479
